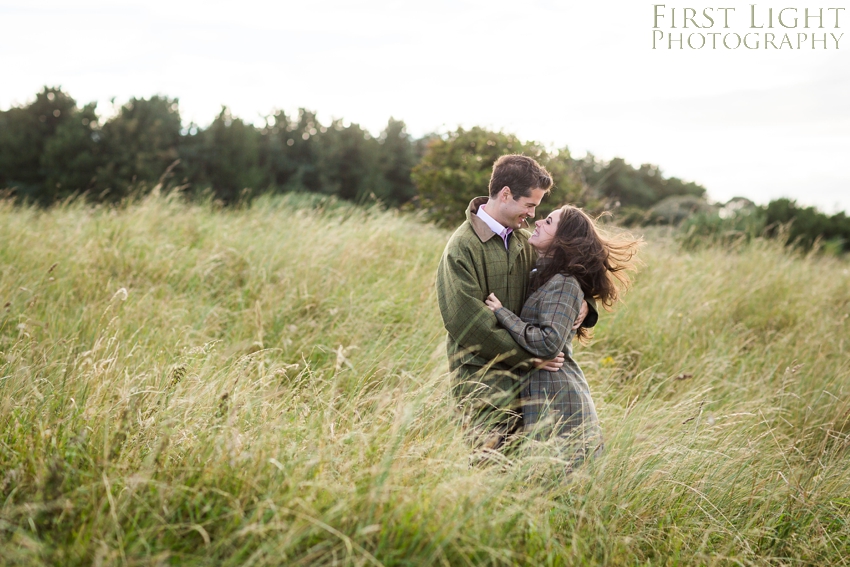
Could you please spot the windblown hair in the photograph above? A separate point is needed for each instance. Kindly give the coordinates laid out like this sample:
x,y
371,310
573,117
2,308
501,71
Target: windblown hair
x,y
599,262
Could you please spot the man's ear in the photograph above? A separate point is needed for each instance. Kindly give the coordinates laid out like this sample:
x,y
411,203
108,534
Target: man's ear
x,y
505,194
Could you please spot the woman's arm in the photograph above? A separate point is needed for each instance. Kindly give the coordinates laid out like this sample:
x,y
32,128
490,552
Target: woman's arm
x,y
557,310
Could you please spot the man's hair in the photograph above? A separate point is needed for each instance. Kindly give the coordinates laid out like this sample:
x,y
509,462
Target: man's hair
x,y
521,174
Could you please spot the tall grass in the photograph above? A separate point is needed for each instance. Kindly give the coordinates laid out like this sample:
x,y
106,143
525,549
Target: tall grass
x,y
267,386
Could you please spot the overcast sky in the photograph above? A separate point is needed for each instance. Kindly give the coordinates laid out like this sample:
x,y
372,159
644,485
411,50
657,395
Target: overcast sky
x,y
761,123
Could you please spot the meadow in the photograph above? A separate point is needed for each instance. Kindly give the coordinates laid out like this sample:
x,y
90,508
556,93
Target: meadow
x,y
182,384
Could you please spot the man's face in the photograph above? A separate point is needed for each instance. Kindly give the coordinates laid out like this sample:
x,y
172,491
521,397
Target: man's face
x,y
514,212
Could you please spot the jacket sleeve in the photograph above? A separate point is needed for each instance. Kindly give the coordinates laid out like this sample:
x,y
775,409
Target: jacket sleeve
x,y
558,308
467,318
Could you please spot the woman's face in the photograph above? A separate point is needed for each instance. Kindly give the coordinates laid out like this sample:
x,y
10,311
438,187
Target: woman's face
x,y
544,231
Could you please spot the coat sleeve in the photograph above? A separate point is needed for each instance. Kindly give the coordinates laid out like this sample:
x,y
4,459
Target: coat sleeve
x,y
467,318
558,306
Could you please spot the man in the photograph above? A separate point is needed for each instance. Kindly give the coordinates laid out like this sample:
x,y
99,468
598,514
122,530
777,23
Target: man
x,y
489,253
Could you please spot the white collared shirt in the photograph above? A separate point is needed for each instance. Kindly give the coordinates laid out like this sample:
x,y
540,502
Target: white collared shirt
x,y
495,226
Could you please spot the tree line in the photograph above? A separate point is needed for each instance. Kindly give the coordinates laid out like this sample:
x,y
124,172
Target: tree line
x,y
802,227
52,149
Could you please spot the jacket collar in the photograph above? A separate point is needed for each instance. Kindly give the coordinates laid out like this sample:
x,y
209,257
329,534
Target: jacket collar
x,y
482,231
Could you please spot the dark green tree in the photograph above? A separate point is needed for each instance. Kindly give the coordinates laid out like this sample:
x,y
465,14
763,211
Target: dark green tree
x,y
302,155
276,142
621,185
139,143
396,160
803,226
24,132
349,162
229,159
72,155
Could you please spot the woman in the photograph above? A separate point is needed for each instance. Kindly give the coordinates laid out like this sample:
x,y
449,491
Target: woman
x,y
575,262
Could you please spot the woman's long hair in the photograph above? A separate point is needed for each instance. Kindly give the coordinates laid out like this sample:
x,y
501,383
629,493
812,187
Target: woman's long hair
x,y
599,262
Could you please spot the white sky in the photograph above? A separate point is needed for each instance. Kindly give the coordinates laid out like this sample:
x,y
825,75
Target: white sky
x,y
757,123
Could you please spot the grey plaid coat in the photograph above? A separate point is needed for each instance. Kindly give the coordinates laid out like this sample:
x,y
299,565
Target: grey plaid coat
x,y
554,403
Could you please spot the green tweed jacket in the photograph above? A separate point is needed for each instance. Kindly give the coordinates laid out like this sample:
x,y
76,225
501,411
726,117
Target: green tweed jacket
x,y
475,264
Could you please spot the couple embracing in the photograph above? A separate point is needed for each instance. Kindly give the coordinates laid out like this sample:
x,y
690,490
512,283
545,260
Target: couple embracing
x,y
513,301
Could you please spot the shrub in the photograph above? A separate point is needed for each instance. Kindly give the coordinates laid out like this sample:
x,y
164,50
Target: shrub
x,y
456,168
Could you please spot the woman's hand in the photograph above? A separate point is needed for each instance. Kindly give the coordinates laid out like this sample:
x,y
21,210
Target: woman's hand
x,y
551,365
493,302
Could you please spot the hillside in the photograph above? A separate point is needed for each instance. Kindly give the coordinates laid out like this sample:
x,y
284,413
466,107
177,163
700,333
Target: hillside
x,y
183,384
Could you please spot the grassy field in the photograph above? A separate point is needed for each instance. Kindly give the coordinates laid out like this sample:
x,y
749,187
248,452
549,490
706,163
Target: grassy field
x,y
267,386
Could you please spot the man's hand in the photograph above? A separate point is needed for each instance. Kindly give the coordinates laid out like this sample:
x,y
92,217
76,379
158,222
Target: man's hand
x,y
493,303
552,365
582,313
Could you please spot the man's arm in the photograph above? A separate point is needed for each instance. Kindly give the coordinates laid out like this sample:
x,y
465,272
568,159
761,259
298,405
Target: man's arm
x,y
467,318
